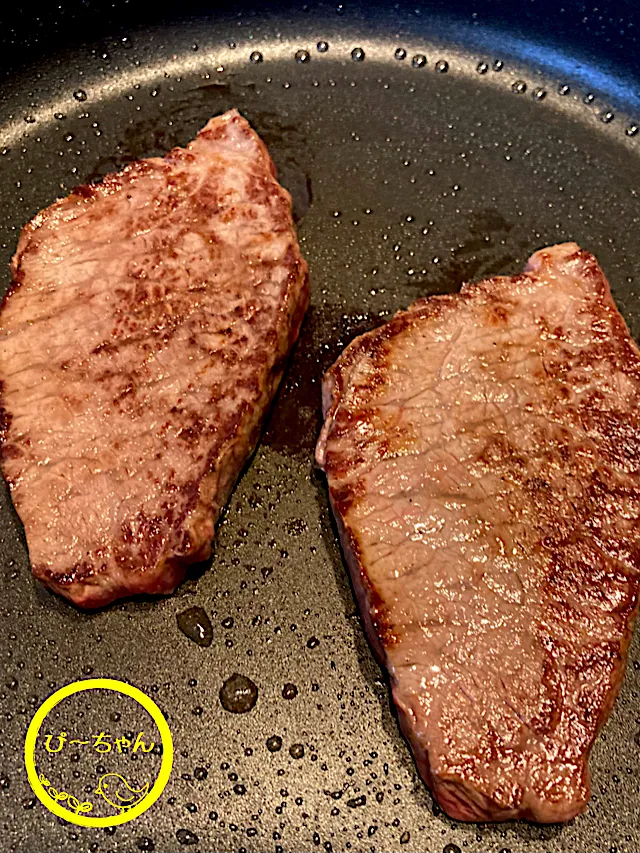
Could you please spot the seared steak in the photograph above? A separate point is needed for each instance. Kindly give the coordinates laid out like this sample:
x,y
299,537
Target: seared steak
x,y
483,458
141,343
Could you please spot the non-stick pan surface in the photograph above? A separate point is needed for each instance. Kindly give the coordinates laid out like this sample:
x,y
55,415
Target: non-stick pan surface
x,y
421,151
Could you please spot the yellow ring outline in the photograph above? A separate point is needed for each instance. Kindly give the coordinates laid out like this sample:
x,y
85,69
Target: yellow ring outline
x,y
98,684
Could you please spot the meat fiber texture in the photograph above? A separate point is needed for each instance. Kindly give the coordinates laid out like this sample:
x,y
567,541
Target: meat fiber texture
x,y
482,452
141,343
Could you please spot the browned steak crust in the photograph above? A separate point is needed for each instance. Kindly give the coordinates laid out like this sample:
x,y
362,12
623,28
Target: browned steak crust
x,y
141,343
483,458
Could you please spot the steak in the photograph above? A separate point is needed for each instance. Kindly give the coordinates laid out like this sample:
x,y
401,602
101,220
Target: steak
x,y
141,343
482,452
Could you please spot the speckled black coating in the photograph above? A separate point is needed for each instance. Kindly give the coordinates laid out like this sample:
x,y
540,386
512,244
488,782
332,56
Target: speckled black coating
x,y
409,176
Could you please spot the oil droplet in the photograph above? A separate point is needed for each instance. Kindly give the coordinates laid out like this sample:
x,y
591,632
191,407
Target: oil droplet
x,y
357,54
228,622
200,773
498,65
519,87
632,130
238,694
30,119
482,68
274,743
80,95
196,625
239,789
185,836
563,89
313,643
356,802
145,844
539,94
607,116
588,98
404,838
322,46
289,691
419,60
296,750
400,54
451,848
256,56
303,56
442,66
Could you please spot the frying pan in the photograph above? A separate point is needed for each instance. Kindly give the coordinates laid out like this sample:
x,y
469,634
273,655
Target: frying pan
x,y
424,144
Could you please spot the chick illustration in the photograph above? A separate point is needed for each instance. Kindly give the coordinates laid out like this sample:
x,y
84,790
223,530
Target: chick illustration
x,y
115,789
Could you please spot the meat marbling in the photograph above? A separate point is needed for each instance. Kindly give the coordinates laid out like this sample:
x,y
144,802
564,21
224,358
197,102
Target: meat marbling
x,y
141,342
482,452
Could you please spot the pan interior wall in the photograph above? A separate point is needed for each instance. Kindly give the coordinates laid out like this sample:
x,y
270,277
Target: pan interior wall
x,y
415,164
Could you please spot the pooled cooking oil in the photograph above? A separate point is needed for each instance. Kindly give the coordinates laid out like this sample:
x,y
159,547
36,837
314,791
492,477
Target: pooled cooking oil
x,y
185,836
274,743
238,694
289,691
196,625
296,750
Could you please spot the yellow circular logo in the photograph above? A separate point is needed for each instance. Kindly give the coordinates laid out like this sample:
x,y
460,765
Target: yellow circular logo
x,y
114,791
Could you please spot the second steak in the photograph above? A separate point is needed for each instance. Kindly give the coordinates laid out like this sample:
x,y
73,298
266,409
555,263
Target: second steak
x,y
483,458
